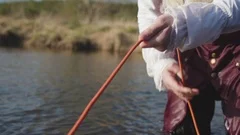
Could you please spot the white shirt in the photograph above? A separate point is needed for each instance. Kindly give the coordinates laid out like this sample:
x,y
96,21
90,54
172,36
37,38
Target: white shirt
x,y
197,23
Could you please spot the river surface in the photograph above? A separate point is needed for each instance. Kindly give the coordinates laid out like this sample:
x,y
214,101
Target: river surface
x,y
43,93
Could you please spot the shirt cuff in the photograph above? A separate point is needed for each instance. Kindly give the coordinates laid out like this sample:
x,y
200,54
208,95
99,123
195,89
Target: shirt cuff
x,y
196,24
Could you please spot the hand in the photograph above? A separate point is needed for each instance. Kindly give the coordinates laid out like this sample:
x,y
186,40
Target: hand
x,y
172,81
158,34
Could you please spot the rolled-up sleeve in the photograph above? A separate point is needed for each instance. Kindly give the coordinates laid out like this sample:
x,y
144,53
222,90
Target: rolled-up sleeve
x,y
202,23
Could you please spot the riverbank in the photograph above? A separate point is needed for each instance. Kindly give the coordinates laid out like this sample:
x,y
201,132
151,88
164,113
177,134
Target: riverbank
x,y
68,25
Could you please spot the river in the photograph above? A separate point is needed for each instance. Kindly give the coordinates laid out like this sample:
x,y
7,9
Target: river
x,y
43,93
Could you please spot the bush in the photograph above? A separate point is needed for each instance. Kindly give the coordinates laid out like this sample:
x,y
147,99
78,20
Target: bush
x,y
69,9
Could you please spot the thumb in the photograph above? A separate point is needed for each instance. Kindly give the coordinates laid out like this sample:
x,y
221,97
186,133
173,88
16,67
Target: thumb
x,y
146,36
174,69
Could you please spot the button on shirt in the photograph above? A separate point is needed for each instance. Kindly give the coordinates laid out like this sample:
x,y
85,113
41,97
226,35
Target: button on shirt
x,y
238,64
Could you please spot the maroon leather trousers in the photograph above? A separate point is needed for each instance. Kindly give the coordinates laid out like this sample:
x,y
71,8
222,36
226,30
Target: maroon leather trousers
x,y
215,70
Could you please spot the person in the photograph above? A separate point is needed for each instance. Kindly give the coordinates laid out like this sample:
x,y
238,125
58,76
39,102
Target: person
x,y
208,34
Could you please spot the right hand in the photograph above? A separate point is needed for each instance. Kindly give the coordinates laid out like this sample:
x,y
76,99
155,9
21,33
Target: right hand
x,y
172,81
158,34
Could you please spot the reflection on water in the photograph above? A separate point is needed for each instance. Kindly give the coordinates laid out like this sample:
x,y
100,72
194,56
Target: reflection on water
x,y
45,92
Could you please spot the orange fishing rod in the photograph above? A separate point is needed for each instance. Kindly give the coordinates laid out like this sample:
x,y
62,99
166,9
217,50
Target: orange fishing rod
x,y
104,86
101,90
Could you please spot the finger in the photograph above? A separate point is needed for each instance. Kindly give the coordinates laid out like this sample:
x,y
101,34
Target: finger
x,y
172,83
187,91
169,79
159,41
195,91
152,30
174,69
189,95
161,22
183,96
179,75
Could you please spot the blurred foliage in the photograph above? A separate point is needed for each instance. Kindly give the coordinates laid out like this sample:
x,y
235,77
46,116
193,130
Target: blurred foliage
x,y
72,10
69,24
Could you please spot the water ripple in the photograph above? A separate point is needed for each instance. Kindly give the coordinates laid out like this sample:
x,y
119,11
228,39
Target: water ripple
x,y
44,93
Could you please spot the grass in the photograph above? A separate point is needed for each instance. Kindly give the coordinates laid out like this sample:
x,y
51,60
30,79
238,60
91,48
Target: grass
x,y
69,25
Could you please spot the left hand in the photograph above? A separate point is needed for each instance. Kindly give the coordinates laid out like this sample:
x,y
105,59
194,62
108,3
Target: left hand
x,y
172,81
158,34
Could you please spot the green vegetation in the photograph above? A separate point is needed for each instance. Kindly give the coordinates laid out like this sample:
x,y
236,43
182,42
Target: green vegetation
x,y
70,24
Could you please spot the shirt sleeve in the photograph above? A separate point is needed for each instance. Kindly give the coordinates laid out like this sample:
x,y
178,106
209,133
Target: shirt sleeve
x,y
156,61
202,23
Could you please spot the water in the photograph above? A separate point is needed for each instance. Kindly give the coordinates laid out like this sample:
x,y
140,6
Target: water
x,y
45,92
